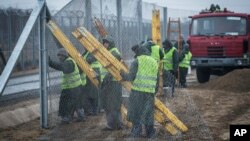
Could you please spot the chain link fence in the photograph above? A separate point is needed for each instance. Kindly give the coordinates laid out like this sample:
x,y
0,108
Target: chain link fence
x,y
125,34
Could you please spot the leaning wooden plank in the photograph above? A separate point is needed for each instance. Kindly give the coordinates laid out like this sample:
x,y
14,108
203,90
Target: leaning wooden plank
x,y
88,41
98,25
102,57
159,105
65,42
77,57
168,126
124,116
102,49
158,116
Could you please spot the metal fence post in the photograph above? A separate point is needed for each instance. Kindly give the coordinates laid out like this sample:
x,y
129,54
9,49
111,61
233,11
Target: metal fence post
x,y
9,35
43,69
101,9
88,14
139,8
165,17
119,22
19,47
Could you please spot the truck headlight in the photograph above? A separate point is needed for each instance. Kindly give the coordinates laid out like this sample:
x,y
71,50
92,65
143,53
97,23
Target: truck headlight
x,y
245,56
193,63
239,62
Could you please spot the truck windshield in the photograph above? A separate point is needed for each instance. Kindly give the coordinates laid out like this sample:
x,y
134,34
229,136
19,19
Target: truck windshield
x,y
212,26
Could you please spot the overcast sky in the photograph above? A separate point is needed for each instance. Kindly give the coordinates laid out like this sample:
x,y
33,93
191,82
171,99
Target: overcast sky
x,y
196,5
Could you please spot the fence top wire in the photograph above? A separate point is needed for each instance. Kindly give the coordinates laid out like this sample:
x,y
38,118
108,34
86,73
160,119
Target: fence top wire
x,y
14,11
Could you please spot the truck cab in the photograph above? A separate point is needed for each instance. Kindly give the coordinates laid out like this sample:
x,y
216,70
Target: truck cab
x,y
219,42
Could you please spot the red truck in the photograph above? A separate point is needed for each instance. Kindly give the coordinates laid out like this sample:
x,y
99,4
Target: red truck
x,y
219,42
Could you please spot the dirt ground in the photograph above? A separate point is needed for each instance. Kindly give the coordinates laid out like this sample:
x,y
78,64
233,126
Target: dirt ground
x,y
206,109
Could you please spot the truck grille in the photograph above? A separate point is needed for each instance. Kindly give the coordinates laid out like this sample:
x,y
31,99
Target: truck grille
x,y
215,51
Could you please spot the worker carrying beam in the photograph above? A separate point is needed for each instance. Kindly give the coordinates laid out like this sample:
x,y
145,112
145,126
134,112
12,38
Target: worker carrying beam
x,y
92,99
143,74
112,91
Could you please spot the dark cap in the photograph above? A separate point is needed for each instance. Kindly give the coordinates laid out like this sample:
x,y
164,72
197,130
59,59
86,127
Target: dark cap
x,y
108,39
63,52
166,43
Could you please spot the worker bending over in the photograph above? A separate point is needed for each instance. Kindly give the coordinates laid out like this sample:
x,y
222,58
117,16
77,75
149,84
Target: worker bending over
x,y
71,87
112,91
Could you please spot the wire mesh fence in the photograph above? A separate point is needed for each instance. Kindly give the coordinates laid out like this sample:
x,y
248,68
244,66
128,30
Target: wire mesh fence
x,y
69,105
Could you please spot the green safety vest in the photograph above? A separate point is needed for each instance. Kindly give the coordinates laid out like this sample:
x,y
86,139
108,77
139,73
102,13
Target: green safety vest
x,y
168,59
146,76
186,61
93,65
155,52
84,78
73,79
114,49
83,75
103,73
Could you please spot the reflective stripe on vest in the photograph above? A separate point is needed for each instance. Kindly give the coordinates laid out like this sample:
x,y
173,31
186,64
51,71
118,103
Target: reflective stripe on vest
x,y
83,75
73,79
186,61
103,73
146,75
155,52
168,59
84,79
94,65
114,49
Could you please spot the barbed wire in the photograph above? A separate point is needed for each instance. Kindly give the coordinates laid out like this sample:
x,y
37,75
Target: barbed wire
x,y
13,11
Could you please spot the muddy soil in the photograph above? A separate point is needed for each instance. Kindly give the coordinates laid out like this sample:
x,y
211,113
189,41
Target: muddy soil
x,y
206,109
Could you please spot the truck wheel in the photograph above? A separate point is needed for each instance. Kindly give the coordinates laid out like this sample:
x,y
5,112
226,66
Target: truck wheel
x,y
203,74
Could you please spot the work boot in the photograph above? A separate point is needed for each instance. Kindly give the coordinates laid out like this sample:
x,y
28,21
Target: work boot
x,y
65,120
150,131
80,113
136,130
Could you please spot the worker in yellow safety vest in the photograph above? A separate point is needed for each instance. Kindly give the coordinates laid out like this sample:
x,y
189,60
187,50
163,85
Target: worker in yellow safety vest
x,y
184,64
71,87
92,91
144,76
112,91
155,50
170,65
